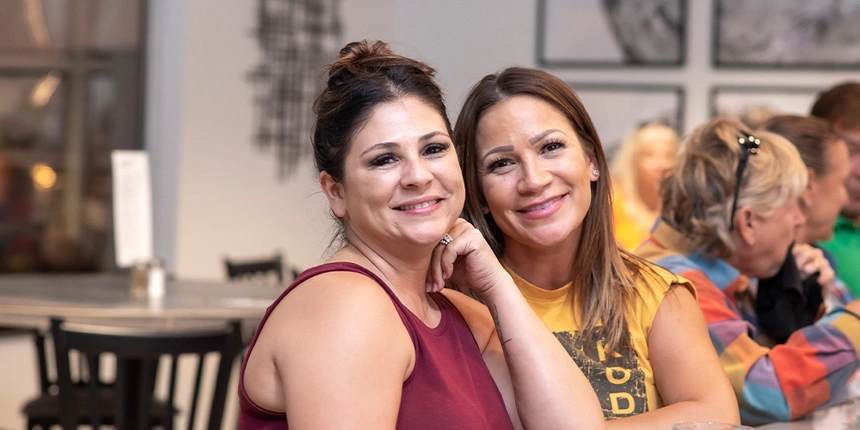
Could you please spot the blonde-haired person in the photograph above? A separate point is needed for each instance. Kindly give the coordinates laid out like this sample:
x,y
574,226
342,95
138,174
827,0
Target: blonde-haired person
x,y
643,159
538,188
730,213
367,339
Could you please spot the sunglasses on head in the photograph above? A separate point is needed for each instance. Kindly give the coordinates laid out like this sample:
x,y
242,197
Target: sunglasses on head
x,y
749,146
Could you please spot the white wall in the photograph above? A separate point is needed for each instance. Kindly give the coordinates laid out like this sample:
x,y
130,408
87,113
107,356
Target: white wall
x,y
223,193
216,195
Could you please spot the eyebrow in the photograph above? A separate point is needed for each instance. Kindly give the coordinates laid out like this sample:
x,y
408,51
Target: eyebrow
x,y
532,141
381,145
389,145
541,136
495,150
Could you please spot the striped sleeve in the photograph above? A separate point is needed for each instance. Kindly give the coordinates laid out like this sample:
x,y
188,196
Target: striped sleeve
x,y
777,384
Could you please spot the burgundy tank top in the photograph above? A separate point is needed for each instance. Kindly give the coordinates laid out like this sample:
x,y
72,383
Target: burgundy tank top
x,y
450,386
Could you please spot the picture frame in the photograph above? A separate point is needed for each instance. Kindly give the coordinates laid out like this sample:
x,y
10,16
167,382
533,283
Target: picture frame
x,y
754,104
618,109
792,34
600,33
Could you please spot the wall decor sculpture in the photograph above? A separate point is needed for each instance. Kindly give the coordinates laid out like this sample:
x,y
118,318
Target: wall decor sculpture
x,y
296,38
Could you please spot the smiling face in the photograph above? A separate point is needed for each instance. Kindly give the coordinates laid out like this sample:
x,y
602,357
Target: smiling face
x,y
402,182
534,174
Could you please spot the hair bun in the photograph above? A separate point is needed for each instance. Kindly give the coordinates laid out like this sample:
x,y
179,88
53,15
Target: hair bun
x,y
356,51
355,57
367,58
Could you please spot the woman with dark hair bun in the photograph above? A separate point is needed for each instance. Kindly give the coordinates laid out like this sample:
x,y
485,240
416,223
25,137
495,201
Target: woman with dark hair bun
x,y
370,339
538,188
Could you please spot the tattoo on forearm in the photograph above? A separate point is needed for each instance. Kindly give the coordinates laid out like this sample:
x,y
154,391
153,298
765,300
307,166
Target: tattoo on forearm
x,y
495,314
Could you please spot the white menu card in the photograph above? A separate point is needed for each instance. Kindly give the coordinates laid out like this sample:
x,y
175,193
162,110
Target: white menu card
x,y
132,207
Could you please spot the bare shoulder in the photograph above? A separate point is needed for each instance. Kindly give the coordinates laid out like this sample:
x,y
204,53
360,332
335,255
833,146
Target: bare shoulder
x,y
330,320
678,313
475,313
683,296
333,303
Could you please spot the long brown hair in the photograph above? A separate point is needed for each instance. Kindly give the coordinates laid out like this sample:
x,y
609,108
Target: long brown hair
x,y
602,274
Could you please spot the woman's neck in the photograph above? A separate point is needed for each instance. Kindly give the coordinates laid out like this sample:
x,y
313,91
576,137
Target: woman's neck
x,y
406,277
545,268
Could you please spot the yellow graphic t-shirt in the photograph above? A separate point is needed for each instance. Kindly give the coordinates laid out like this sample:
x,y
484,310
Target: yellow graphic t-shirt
x,y
624,381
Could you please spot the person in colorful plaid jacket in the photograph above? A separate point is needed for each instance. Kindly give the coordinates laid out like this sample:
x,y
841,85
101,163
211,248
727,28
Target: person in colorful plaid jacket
x,y
730,214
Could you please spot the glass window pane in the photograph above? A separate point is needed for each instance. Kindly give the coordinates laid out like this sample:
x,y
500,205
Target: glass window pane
x,y
70,93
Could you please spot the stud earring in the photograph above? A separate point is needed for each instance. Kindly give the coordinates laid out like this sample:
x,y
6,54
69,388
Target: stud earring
x,y
595,172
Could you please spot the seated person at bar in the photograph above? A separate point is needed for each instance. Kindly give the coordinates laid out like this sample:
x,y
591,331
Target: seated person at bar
x,y
826,158
642,161
840,106
370,339
538,188
730,212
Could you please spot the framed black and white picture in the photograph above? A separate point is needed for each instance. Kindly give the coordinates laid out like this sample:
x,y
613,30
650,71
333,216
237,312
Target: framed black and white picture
x,y
607,33
755,104
618,109
797,34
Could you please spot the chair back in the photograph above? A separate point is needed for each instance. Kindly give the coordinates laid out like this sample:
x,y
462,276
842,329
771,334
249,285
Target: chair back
x,y
138,352
255,268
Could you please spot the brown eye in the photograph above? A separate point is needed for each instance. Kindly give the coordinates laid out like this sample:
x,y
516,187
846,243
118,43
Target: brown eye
x,y
553,145
436,148
383,159
499,164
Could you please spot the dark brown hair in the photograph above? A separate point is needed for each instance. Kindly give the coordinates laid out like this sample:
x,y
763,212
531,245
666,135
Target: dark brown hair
x,y
812,136
366,74
840,105
603,275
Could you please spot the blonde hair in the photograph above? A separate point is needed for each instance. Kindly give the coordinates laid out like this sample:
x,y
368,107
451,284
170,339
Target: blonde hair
x,y
697,196
623,166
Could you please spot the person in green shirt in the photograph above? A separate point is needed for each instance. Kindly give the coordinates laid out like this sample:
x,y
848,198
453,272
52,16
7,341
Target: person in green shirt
x,y
840,106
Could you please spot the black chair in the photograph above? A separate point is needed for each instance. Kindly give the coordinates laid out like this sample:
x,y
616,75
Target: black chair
x,y
42,411
129,402
255,268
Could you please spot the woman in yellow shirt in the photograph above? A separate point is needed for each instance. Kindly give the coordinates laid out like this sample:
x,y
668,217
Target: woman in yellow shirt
x,y
538,189
637,169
